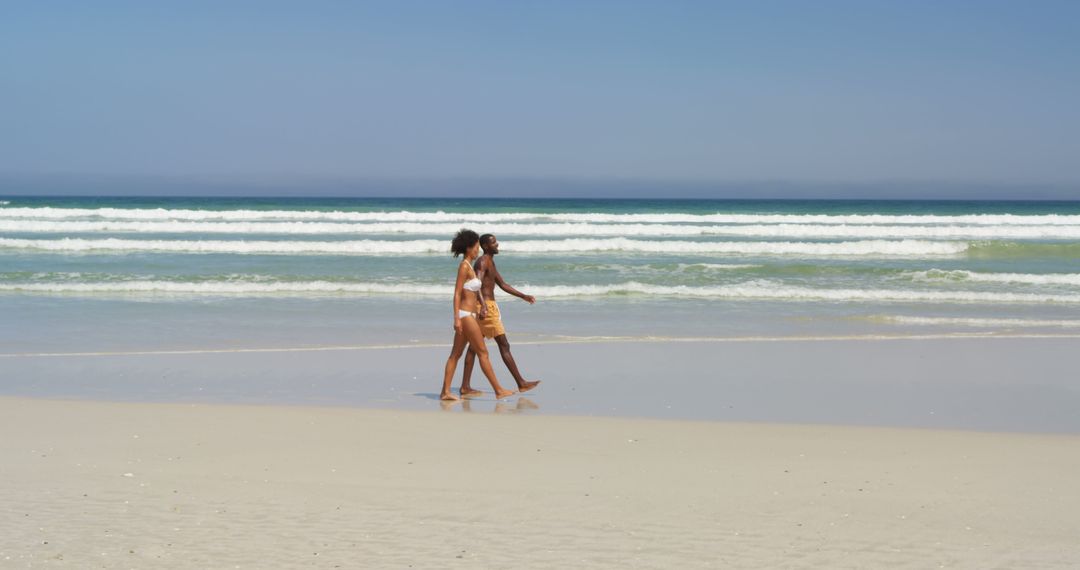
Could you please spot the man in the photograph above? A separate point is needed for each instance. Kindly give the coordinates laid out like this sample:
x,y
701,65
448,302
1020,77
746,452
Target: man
x,y
490,320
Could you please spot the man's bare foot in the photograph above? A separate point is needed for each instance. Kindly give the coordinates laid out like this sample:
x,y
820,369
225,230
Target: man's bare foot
x,y
448,397
526,386
469,392
504,394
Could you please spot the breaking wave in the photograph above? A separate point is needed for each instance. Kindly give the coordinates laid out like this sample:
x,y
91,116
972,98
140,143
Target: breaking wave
x,y
961,275
776,231
165,214
909,248
751,290
979,322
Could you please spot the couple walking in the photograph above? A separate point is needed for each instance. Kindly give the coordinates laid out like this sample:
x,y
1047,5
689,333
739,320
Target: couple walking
x,y
476,316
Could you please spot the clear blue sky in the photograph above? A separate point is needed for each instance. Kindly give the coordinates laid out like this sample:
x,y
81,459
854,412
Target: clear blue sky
x,y
975,91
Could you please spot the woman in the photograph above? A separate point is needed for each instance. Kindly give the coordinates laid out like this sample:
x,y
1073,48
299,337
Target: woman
x,y
466,305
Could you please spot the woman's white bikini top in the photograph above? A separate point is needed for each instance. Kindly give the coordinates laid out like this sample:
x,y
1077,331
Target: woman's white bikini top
x,y
472,284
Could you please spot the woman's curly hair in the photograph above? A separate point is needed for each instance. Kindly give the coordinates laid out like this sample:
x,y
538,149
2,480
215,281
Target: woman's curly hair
x,y
463,241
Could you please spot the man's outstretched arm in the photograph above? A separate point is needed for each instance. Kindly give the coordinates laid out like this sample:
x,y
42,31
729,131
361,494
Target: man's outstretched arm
x,y
506,286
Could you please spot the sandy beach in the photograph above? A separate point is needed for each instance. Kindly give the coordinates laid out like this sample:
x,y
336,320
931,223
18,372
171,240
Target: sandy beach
x,y
782,285
138,485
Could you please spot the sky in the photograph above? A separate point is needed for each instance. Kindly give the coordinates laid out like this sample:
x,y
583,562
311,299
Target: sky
x,y
695,93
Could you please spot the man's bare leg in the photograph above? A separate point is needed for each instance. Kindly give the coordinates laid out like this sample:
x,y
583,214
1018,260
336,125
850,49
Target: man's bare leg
x,y
466,388
476,341
508,360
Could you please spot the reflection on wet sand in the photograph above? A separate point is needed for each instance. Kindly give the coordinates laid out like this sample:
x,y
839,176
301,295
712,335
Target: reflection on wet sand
x,y
522,404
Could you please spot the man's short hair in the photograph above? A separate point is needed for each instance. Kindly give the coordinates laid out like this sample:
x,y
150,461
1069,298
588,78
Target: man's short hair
x,y
486,239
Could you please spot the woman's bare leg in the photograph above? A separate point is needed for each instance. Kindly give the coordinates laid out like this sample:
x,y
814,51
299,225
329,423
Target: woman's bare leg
x,y
451,365
476,343
466,376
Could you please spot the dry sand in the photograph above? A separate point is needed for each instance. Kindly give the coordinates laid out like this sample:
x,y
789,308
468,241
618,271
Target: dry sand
x,y
136,485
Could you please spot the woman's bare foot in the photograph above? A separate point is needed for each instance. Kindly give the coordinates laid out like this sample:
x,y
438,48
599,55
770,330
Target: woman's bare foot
x,y
526,386
448,397
469,392
504,394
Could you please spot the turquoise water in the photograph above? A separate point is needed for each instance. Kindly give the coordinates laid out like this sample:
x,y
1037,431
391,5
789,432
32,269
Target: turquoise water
x,y
109,273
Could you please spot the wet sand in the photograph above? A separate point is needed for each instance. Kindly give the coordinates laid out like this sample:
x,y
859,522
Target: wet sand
x,y
986,384
120,485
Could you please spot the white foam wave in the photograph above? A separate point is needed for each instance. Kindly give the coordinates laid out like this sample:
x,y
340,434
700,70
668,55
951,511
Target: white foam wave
x,y
981,323
361,247
231,287
903,248
760,289
163,214
717,266
937,275
842,231
777,231
753,290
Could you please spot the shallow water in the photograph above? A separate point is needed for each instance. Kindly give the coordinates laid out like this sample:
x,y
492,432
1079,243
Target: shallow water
x,y
142,273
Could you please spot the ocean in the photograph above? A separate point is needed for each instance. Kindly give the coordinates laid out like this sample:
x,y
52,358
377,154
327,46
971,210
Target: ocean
x,y
115,274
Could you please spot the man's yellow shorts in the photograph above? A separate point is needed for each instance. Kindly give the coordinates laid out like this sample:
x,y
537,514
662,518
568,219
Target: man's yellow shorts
x,y
492,325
